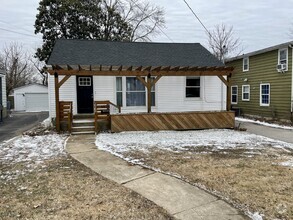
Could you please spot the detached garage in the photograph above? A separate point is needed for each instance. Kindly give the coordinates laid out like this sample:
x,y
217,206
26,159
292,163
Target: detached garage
x,y
31,98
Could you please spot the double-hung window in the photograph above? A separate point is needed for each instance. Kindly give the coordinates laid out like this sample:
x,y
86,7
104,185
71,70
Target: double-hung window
x,y
245,64
234,94
265,94
192,89
283,57
135,92
245,92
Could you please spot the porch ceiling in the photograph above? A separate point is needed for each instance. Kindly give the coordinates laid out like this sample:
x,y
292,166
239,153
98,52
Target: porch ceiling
x,y
100,70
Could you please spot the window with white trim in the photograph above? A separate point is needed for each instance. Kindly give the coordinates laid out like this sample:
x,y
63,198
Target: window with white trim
x,y
135,92
245,92
192,89
153,92
84,81
119,91
265,94
245,64
234,94
283,57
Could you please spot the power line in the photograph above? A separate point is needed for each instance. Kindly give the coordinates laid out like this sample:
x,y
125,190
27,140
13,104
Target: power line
x,y
152,20
198,19
5,22
16,32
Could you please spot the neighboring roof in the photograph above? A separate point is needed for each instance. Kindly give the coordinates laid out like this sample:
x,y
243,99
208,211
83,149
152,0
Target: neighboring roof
x,y
109,53
28,85
268,49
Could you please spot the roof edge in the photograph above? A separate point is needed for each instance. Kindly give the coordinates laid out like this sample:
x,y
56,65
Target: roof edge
x,y
257,52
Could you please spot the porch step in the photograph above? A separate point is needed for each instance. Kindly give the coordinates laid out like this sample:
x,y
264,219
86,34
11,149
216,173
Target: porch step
x,y
82,132
83,128
83,116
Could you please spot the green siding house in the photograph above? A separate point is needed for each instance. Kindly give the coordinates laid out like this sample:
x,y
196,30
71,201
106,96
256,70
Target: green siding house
x,y
262,83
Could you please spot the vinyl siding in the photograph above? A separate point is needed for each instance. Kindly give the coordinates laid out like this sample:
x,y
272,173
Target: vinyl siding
x,y
4,98
170,94
262,69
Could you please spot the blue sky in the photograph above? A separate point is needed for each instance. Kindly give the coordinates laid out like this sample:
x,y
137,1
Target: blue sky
x,y
259,24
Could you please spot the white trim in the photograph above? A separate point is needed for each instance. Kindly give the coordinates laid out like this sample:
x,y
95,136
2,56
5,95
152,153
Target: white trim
x,y
287,57
243,99
234,94
260,94
245,70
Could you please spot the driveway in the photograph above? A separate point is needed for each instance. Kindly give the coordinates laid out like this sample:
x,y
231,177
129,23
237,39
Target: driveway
x,y
270,132
20,122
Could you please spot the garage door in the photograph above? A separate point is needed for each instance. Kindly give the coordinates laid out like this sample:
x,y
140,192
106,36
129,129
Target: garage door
x,y
36,102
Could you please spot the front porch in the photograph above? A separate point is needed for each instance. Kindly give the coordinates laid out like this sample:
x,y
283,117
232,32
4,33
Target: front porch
x,y
107,117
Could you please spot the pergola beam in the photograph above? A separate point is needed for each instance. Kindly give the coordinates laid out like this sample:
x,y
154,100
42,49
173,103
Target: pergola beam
x,y
121,72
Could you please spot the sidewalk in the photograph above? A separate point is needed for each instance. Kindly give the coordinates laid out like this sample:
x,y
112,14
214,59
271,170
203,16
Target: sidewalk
x,y
270,132
179,198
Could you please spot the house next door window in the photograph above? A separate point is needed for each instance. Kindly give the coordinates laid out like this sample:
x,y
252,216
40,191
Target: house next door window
x,y
84,87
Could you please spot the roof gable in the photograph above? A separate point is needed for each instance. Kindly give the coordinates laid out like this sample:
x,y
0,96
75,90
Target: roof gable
x,y
109,53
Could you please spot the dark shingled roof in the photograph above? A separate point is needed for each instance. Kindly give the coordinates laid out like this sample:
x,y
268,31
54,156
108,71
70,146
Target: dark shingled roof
x,y
107,53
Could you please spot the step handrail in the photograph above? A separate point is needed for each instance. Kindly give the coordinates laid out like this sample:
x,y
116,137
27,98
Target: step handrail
x,y
108,113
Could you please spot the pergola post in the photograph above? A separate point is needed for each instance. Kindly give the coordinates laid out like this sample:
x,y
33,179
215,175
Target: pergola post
x,y
57,102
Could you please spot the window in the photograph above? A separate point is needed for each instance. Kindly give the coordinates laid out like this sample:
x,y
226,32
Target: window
x,y
84,81
192,89
153,92
245,64
283,57
135,92
245,92
119,91
264,94
234,94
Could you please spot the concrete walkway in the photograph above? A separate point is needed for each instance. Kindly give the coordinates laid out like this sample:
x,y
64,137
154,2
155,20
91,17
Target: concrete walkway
x,y
270,132
179,198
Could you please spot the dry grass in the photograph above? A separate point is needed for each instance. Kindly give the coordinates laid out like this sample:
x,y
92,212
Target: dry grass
x,y
249,180
65,189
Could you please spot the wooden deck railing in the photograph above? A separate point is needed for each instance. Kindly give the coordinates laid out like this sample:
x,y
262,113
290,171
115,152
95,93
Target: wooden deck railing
x,y
66,113
102,110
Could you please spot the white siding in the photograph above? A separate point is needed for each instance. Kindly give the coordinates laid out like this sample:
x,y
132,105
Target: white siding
x,y
4,98
67,93
33,88
170,94
104,88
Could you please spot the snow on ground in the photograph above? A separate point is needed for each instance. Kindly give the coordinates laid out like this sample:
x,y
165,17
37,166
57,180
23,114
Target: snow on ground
x,y
263,123
46,123
34,149
180,141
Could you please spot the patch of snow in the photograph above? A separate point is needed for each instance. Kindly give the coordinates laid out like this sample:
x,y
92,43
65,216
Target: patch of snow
x,y
255,216
182,141
47,123
288,163
263,123
32,149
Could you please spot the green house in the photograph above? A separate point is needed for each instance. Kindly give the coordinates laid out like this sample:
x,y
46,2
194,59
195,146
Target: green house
x,y
262,83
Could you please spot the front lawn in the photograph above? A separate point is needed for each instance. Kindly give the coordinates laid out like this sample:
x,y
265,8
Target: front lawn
x,y
252,172
38,180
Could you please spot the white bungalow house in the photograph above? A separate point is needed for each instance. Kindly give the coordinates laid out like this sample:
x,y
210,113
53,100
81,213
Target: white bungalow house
x,y
3,97
186,77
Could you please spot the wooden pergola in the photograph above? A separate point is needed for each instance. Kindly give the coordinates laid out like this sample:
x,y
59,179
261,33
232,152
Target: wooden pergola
x,y
139,72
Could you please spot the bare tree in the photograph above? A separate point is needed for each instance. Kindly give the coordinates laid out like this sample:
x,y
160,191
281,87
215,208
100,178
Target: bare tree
x,y
15,61
145,19
40,69
222,42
